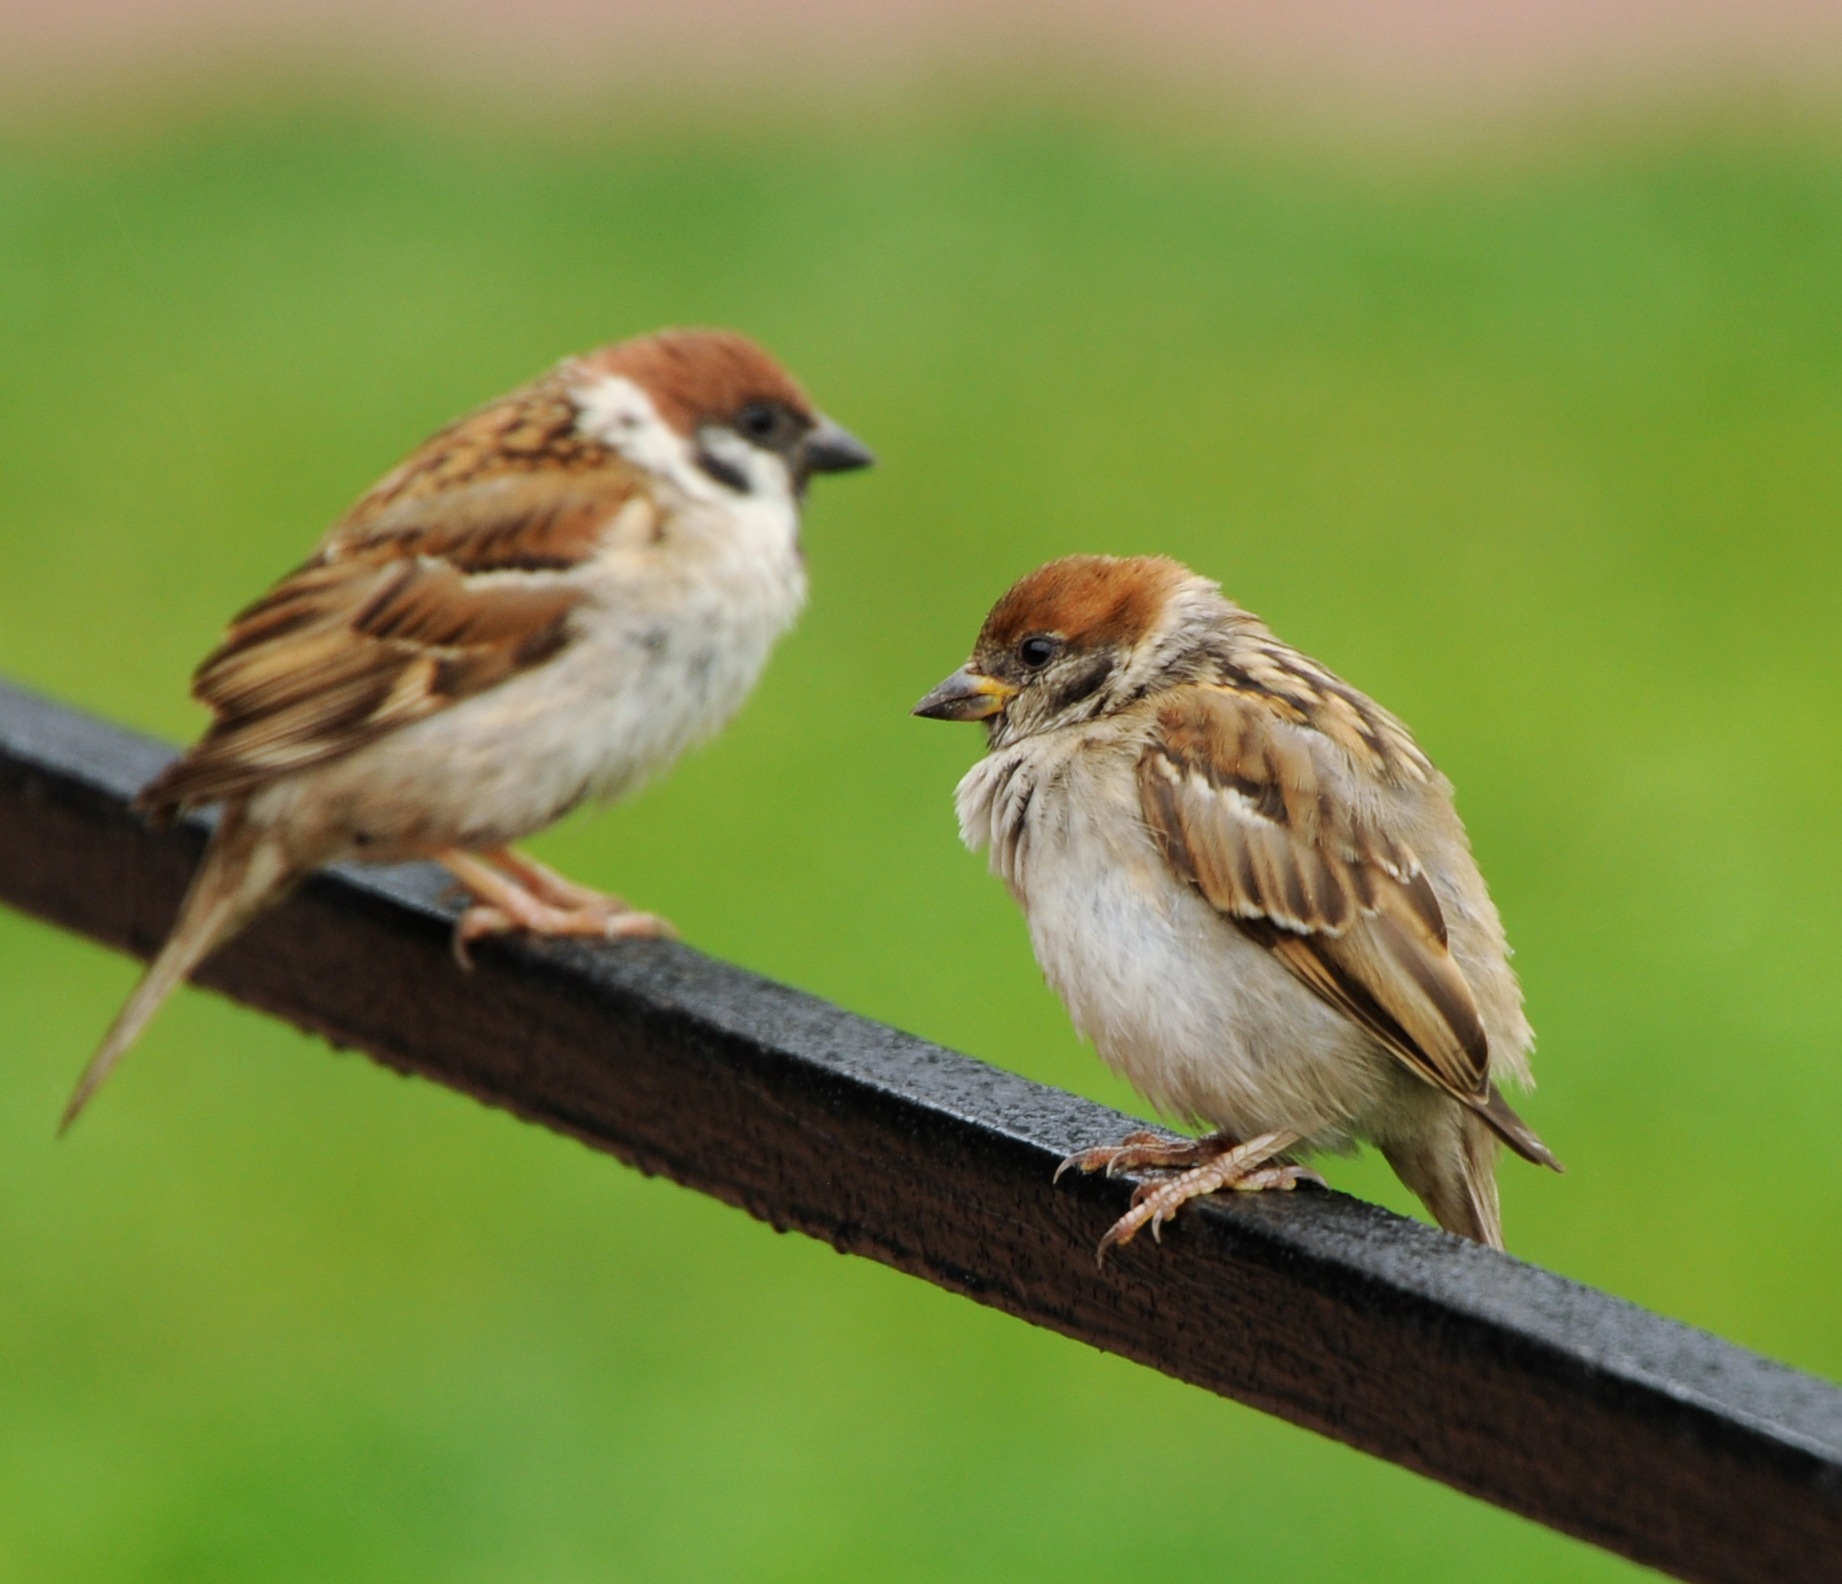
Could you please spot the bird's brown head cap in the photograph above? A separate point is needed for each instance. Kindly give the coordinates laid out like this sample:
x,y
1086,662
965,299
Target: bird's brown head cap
x,y
1087,601
701,376
706,383
1062,643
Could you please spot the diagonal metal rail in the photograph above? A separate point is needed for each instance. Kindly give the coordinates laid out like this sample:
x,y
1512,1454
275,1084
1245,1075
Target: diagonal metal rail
x,y
1576,1409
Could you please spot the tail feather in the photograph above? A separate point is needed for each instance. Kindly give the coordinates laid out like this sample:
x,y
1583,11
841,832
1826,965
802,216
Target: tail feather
x,y
1516,1133
243,872
1454,1171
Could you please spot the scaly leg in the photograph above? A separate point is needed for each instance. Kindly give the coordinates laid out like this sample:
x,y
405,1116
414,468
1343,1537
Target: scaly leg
x,y
1245,1168
549,887
504,904
1147,1152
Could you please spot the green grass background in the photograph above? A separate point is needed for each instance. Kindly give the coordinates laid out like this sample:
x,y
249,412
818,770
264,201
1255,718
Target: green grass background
x,y
1539,440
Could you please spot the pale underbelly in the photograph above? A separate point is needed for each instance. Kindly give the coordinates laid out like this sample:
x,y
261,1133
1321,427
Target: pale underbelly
x,y
500,766
1203,1021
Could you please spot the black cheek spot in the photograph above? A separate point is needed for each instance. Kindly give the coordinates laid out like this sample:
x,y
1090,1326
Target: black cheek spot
x,y
725,473
1084,684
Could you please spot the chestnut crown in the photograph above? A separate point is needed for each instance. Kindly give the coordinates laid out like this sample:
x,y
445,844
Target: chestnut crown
x,y
701,381
1069,641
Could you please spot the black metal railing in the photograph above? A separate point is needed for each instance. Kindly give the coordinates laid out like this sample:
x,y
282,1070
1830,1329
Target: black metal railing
x,y
1634,1432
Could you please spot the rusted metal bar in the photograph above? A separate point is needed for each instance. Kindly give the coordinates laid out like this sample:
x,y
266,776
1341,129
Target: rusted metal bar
x,y
1571,1407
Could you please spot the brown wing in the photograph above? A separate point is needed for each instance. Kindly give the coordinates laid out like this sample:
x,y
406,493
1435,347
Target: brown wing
x,y
1241,798
422,597
512,486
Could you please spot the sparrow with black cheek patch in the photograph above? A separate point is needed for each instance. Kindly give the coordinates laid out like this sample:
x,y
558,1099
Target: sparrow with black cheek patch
x,y
548,601
1248,885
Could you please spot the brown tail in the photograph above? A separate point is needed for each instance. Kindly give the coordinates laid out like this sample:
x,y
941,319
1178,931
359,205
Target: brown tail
x,y
243,872
1455,1174
1516,1133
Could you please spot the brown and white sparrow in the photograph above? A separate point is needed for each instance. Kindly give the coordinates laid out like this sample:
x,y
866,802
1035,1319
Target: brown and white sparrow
x,y
1248,885
547,602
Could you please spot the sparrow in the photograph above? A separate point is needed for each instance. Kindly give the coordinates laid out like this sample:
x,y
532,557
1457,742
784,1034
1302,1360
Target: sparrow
x,y
545,603
1250,888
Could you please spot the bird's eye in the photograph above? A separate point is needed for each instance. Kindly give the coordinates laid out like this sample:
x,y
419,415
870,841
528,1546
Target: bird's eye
x,y
759,422
1038,650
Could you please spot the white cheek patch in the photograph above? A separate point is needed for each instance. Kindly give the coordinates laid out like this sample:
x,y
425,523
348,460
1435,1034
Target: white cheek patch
x,y
619,414
763,473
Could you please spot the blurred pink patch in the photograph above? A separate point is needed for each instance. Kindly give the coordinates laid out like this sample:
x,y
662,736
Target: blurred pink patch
x,y
1456,51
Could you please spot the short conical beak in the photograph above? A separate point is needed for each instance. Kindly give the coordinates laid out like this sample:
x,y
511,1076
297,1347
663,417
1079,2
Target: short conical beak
x,y
966,695
831,449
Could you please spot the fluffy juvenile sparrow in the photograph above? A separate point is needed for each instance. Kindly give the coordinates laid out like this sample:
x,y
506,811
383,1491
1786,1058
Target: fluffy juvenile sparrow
x,y
548,601
1249,887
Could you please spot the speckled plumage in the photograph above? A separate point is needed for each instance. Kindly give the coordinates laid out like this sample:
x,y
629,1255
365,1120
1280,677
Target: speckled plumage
x,y
1244,878
547,601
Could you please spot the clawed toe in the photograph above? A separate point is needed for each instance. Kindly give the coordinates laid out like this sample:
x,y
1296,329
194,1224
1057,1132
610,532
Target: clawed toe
x,y
601,921
628,925
1283,1177
1244,1168
518,893
1105,1157
477,922
1146,1151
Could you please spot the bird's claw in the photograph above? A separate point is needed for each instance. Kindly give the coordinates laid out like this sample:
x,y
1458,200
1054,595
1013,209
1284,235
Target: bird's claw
x,y
1143,1151
602,921
1243,1168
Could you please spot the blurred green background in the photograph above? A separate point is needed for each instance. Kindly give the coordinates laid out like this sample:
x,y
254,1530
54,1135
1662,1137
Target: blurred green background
x,y
1539,439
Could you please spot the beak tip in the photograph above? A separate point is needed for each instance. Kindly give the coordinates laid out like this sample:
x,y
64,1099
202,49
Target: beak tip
x,y
964,696
830,448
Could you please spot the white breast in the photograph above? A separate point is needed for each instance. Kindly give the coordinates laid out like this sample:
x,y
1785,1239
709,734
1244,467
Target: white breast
x,y
1200,1019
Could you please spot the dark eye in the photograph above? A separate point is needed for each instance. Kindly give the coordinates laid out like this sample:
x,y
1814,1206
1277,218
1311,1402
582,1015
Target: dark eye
x,y
759,422
1038,650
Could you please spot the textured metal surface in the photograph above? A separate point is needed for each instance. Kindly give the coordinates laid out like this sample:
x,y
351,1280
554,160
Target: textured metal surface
x,y
1571,1407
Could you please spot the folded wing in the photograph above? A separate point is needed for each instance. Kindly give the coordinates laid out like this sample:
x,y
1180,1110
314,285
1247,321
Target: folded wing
x,y
1242,798
420,599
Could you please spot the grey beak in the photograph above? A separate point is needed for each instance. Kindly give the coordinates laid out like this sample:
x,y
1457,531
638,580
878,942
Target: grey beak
x,y
966,695
831,449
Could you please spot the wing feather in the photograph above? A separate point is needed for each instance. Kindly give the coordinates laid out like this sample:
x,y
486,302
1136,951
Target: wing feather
x,y
422,597
1241,800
